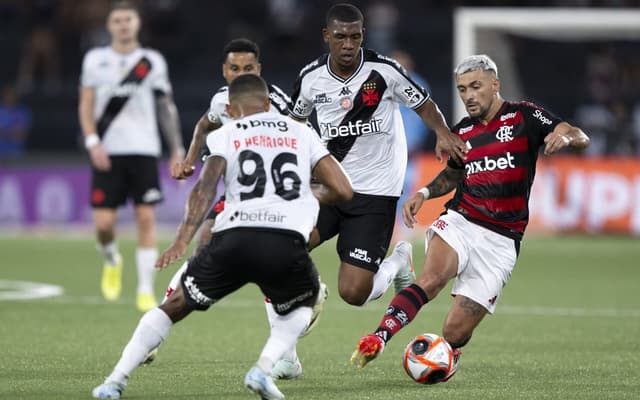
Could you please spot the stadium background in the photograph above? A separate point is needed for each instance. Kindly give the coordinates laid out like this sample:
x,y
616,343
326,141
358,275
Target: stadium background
x,y
567,323
590,82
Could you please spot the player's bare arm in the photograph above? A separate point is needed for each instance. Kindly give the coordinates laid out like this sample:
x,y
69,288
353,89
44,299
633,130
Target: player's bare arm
x,y
447,142
99,157
200,199
565,135
336,186
170,125
184,168
446,181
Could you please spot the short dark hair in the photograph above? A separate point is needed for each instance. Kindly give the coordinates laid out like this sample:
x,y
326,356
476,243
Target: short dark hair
x,y
248,85
344,12
123,5
241,45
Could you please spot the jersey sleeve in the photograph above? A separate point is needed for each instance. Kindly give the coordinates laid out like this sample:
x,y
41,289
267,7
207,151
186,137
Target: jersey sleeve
x,y
218,144
160,79
301,104
213,115
405,90
317,149
89,75
540,122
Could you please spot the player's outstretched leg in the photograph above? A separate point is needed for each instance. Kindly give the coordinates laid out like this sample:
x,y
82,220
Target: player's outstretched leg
x,y
369,347
262,384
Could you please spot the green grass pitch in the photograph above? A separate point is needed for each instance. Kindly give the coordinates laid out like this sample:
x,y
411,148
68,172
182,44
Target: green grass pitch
x,y
567,327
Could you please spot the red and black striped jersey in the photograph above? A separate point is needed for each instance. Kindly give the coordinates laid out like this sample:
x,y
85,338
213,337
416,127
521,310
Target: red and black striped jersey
x,y
500,166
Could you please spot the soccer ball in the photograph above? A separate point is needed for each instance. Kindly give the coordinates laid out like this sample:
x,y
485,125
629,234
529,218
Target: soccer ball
x,y
428,358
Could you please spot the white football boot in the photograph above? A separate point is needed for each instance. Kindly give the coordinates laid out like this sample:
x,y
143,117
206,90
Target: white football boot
x,y
406,274
262,384
108,390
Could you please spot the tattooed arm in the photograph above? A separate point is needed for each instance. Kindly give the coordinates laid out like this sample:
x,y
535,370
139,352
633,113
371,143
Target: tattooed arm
x,y
447,180
198,204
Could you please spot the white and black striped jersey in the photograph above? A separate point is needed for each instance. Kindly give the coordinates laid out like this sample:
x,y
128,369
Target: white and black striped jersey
x,y
359,118
217,114
267,179
125,89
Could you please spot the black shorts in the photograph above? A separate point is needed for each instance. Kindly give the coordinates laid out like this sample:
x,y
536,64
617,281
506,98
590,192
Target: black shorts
x,y
276,260
364,226
133,177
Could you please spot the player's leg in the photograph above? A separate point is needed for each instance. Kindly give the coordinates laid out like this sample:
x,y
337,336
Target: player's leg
x,y
146,256
463,317
442,262
145,189
107,193
478,286
104,220
365,274
151,331
290,280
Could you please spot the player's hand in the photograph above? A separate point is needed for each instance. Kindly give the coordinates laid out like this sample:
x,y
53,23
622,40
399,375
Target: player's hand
x,y
410,208
554,142
99,158
451,144
182,169
172,254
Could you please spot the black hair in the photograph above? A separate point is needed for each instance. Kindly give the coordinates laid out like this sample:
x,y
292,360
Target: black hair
x,y
123,5
241,46
248,84
344,12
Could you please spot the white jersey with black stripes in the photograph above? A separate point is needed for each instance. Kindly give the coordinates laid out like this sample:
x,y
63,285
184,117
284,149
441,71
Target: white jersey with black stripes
x,y
359,118
124,106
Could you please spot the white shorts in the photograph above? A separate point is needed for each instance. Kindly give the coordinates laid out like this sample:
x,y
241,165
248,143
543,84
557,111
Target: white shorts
x,y
485,258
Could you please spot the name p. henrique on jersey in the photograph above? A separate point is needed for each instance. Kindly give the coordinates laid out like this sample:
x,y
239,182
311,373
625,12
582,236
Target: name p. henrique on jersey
x,y
359,118
125,89
269,162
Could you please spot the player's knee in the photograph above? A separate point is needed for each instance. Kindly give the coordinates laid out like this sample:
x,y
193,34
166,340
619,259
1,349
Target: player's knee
x,y
352,295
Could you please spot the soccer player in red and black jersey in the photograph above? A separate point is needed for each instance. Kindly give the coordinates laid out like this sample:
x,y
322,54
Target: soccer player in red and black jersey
x,y
476,240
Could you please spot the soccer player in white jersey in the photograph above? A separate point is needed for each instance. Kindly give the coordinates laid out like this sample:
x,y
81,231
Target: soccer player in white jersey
x,y
122,88
260,236
241,56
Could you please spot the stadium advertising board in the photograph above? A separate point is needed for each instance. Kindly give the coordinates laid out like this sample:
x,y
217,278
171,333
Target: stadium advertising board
x,y
569,194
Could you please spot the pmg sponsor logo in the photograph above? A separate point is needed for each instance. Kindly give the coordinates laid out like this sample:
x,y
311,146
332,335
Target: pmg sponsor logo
x,y
357,128
126,90
490,164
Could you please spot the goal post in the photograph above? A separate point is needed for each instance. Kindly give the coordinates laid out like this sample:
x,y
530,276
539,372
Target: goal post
x,y
482,30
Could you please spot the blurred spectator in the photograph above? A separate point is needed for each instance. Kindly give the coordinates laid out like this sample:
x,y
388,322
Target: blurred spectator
x,y
15,122
40,52
596,119
381,20
602,74
415,130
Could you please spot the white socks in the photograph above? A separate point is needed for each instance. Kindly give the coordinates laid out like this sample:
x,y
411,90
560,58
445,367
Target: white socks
x,y
285,331
150,333
145,262
175,281
384,277
110,252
